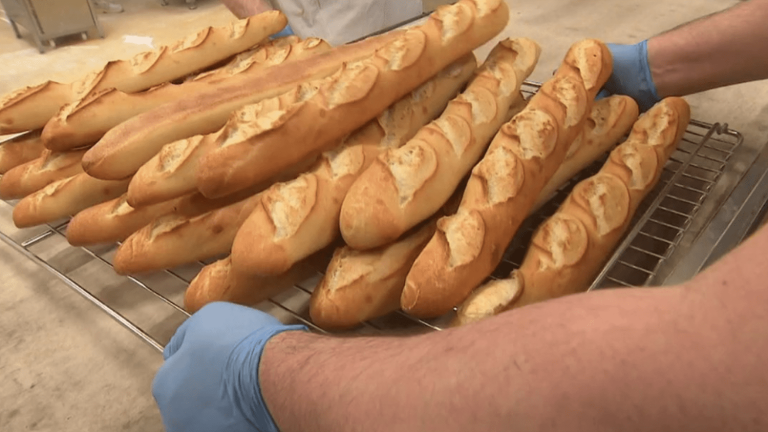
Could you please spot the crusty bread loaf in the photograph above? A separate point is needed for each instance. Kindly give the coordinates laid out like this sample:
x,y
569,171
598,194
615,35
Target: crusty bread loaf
x,y
610,119
64,198
173,240
362,285
405,186
115,220
34,175
569,249
220,282
254,149
297,218
504,186
170,173
112,221
86,120
19,150
31,107
126,147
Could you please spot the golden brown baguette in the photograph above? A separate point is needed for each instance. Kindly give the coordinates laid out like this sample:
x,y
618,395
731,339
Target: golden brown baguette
x,y
112,221
505,185
115,220
174,240
86,120
126,147
405,186
31,107
297,218
610,120
254,148
569,249
64,198
34,175
19,150
220,282
362,285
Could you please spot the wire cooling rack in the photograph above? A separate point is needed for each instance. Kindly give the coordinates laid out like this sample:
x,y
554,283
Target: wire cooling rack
x,y
150,305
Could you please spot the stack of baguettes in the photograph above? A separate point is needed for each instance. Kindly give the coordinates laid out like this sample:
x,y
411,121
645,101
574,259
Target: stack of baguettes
x,y
413,162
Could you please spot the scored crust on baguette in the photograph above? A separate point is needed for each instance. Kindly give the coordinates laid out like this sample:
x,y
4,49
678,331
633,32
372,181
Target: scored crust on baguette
x,y
219,281
112,221
255,150
31,107
65,198
173,240
115,220
406,185
36,174
88,119
362,285
19,150
610,120
505,184
569,249
297,218
122,150
172,172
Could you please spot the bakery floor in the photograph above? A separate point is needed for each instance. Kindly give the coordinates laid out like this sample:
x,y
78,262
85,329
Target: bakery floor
x,y
66,366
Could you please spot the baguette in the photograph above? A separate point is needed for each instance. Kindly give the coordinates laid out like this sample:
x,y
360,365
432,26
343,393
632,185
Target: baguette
x,y
505,184
126,147
34,175
32,107
88,119
64,198
298,218
112,221
610,119
362,285
19,150
173,240
219,281
406,185
569,249
115,220
253,149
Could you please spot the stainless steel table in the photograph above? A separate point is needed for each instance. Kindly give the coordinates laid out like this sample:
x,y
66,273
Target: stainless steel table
x,y
47,20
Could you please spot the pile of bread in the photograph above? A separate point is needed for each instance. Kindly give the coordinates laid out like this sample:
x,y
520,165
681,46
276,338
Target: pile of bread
x,y
423,162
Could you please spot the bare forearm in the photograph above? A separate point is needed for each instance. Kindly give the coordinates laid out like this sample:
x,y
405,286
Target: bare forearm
x,y
657,359
716,51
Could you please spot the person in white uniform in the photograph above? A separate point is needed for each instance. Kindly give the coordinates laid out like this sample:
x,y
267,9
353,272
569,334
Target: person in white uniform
x,y
336,21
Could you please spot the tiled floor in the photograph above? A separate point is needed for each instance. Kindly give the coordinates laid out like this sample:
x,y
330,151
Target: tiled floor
x,y
65,366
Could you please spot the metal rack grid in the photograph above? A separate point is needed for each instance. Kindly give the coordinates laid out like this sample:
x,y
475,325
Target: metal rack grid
x,y
660,222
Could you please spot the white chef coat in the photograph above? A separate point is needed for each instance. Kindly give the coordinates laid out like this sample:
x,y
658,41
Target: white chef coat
x,y
342,21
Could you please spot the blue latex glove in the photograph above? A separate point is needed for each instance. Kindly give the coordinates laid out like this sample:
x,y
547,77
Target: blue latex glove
x,y
210,379
287,31
631,75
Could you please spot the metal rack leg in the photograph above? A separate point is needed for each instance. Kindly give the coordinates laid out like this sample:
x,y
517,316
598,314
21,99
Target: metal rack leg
x,y
15,29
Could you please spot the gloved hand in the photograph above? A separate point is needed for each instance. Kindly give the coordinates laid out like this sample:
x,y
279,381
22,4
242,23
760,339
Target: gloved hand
x,y
287,31
631,75
210,379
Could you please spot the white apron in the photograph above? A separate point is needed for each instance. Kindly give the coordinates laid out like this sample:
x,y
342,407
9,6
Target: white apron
x,y
341,21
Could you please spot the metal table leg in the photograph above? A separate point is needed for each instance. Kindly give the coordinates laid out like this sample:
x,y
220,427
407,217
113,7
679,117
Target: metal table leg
x,y
15,29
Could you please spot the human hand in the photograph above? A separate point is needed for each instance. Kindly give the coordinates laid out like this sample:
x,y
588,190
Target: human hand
x,y
210,379
631,75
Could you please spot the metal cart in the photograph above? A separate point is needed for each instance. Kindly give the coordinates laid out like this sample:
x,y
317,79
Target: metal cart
x,y
678,230
48,20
